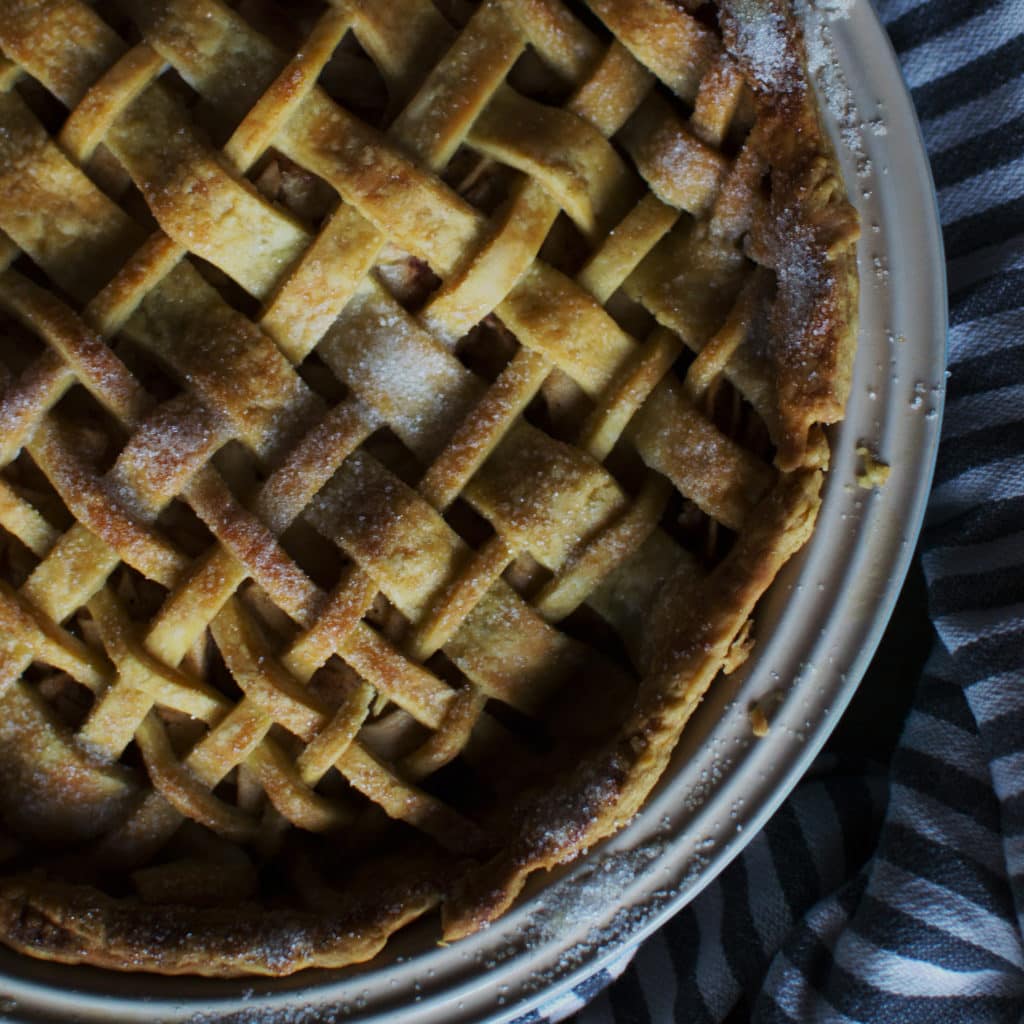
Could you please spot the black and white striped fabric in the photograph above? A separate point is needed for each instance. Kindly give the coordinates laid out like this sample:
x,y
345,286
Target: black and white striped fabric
x,y
897,895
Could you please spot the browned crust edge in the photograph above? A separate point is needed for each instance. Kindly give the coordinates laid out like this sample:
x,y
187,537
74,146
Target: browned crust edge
x,y
809,235
78,924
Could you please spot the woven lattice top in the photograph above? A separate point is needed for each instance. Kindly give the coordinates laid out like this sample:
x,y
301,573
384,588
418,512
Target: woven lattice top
x,y
395,439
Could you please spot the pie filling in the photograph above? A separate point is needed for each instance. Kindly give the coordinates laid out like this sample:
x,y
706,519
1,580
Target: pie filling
x,y
403,408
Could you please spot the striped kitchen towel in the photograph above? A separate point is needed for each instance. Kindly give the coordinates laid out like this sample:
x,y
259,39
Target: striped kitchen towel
x,y
898,895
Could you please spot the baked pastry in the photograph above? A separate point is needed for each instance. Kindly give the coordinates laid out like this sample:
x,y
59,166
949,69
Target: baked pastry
x,y
404,406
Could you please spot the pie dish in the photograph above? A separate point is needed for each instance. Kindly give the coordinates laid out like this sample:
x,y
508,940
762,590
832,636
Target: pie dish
x,y
397,439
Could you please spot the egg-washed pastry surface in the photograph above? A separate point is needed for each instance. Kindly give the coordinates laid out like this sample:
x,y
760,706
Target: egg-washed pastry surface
x,y
403,407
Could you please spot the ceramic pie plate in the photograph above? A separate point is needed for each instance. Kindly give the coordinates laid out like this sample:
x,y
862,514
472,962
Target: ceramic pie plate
x,y
817,629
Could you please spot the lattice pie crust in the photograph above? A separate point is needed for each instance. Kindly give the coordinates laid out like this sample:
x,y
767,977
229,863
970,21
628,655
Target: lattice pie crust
x,y
396,438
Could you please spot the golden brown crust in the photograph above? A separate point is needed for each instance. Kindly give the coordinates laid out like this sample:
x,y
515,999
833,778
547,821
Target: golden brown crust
x,y
806,232
242,621
76,924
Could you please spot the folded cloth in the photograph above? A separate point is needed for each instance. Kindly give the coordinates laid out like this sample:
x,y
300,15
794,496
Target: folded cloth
x,y
898,895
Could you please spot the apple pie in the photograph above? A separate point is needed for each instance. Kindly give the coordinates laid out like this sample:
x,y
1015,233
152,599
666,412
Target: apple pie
x,y
403,407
